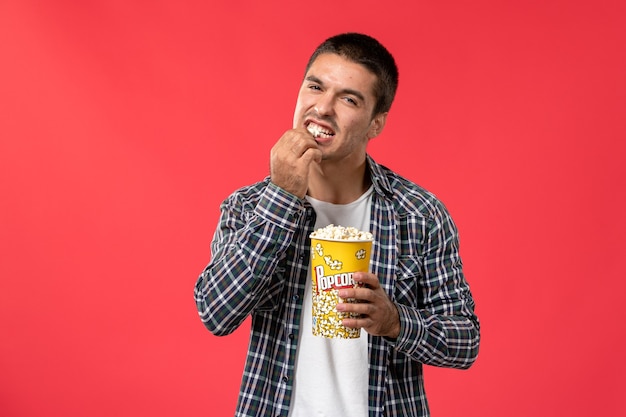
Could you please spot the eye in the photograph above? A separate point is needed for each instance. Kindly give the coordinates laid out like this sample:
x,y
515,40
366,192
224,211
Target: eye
x,y
351,101
314,87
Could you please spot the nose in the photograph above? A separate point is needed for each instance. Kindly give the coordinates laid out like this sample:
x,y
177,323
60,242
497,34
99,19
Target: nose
x,y
325,104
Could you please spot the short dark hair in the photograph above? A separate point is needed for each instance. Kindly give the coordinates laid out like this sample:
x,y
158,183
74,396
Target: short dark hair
x,y
367,51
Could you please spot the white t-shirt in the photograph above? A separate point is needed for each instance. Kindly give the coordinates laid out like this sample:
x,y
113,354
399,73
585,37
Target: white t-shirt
x,y
331,375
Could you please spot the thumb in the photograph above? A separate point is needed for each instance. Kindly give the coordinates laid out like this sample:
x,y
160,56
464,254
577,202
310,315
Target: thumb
x,y
313,154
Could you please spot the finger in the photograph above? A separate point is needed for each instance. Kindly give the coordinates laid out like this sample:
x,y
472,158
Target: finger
x,y
367,279
364,309
360,323
301,145
361,294
312,154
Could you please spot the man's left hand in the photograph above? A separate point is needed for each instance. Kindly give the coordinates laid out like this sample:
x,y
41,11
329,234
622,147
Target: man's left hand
x,y
379,315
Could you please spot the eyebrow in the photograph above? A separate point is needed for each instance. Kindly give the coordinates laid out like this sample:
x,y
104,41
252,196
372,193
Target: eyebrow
x,y
350,91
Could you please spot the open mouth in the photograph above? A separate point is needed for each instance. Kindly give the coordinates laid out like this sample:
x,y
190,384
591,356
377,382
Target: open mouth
x,y
319,131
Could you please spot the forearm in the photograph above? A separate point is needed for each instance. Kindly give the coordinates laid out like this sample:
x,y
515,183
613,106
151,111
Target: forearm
x,y
439,340
244,274
228,290
438,326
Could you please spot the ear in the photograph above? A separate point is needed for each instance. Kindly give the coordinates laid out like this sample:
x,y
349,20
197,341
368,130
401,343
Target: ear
x,y
377,125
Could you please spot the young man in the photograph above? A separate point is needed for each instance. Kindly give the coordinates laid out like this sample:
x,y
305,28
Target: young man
x,y
415,306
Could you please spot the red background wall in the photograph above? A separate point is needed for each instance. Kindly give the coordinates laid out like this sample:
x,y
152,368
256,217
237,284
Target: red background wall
x,y
123,124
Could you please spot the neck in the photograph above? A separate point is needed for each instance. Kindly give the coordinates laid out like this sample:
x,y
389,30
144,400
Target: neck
x,y
338,184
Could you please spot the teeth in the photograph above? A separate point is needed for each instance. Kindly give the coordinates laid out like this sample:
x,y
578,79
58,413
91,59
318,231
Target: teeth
x,y
317,130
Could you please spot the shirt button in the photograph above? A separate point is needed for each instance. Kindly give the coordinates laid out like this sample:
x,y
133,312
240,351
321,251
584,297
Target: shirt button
x,y
285,379
291,336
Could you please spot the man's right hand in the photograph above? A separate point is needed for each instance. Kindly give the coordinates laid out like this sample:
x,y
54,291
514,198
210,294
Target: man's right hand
x,y
291,158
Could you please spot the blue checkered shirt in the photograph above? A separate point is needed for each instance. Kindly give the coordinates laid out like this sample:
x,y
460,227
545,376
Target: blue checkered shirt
x,y
258,268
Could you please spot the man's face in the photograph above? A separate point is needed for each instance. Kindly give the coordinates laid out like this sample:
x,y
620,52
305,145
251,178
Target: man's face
x,y
335,103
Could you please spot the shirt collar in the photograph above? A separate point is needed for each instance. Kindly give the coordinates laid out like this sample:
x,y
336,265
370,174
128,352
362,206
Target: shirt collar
x,y
380,181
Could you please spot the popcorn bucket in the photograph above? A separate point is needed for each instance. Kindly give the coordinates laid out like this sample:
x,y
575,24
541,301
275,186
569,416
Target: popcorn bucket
x,y
332,264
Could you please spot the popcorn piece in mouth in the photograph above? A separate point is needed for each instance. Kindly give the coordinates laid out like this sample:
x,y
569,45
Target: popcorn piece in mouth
x,y
318,131
341,233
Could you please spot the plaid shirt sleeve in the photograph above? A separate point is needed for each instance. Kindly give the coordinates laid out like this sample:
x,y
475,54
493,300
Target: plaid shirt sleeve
x,y
255,229
440,328
416,258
